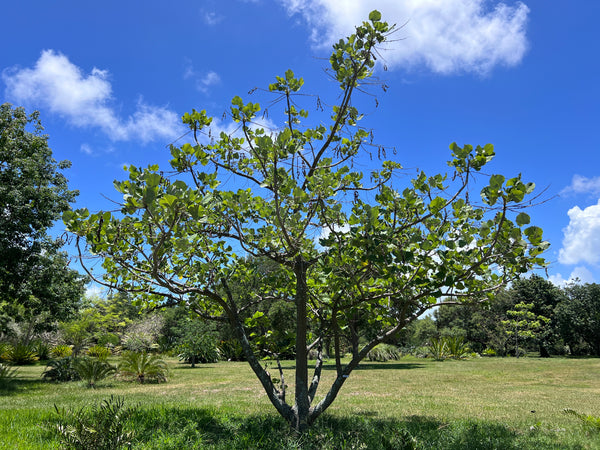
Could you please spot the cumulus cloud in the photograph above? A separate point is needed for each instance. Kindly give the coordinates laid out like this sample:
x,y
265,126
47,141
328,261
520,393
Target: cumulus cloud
x,y
445,36
581,242
583,185
579,273
84,100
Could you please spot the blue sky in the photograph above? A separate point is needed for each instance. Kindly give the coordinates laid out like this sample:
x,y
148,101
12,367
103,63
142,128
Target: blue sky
x,y
112,79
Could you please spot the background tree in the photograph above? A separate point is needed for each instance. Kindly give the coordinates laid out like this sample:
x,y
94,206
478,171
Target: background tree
x,y
544,296
35,280
523,325
578,318
389,256
483,328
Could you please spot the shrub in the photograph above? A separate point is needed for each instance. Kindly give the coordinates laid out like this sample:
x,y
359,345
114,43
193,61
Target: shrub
x,y
231,350
384,352
92,370
99,352
61,351
109,340
437,349
196,346
42,349
4,346
143,367
102,427
457,348
21,354
61,370
488,352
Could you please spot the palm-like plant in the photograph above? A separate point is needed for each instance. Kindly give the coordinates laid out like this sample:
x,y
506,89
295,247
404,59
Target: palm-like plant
x,y
457,347
93,370
61,370
21,354
438,349
143,367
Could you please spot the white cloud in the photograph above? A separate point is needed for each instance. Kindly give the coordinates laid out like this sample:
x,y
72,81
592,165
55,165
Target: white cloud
x,y
581,242
85,100
579,273
446,36
87,149
583,185
94,290
203,82
208,80
211,17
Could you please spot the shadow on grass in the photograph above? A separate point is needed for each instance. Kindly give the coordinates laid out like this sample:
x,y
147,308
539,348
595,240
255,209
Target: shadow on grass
x,y
173,428
380,366
368,366
18,385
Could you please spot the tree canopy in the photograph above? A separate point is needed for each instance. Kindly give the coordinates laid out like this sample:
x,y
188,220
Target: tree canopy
x,y
34,275
358,257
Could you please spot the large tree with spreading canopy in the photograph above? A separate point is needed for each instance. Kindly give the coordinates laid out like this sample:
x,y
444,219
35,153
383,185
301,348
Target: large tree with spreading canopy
x,y
36,283
352,253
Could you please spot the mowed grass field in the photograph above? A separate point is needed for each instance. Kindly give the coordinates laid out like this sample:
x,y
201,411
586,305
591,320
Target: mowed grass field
x,y
483,403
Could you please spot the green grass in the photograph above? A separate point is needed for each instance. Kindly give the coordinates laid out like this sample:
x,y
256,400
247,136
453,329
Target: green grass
x,y
487,403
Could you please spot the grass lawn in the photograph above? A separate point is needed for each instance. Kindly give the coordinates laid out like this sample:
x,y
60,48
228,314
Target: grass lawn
x,y
485,403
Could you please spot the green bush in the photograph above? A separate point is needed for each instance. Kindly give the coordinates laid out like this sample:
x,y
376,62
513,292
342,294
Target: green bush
x,y
197,344
143,367
61,370
99,428
21,354
92,370
4,346
99,352
231,350
488,352
437,349
384,352
61,351
42,349
109,340
457,348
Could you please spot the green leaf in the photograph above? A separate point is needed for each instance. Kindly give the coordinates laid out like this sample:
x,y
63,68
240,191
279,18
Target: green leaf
x,y
523,219
375,16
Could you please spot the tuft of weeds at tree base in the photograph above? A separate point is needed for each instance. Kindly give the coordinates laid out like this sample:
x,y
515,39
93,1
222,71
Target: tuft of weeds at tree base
x,y
590,422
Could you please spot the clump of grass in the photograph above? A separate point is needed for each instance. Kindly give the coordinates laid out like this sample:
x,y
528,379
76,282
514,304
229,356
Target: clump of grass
x,y
384,352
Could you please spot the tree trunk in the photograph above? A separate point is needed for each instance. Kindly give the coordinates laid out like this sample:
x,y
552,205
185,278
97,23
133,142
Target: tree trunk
x,y
301,409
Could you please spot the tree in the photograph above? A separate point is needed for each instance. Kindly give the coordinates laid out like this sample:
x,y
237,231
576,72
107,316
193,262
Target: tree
x,y
483,328
387,256
35,280
578,317
544,297
523,324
